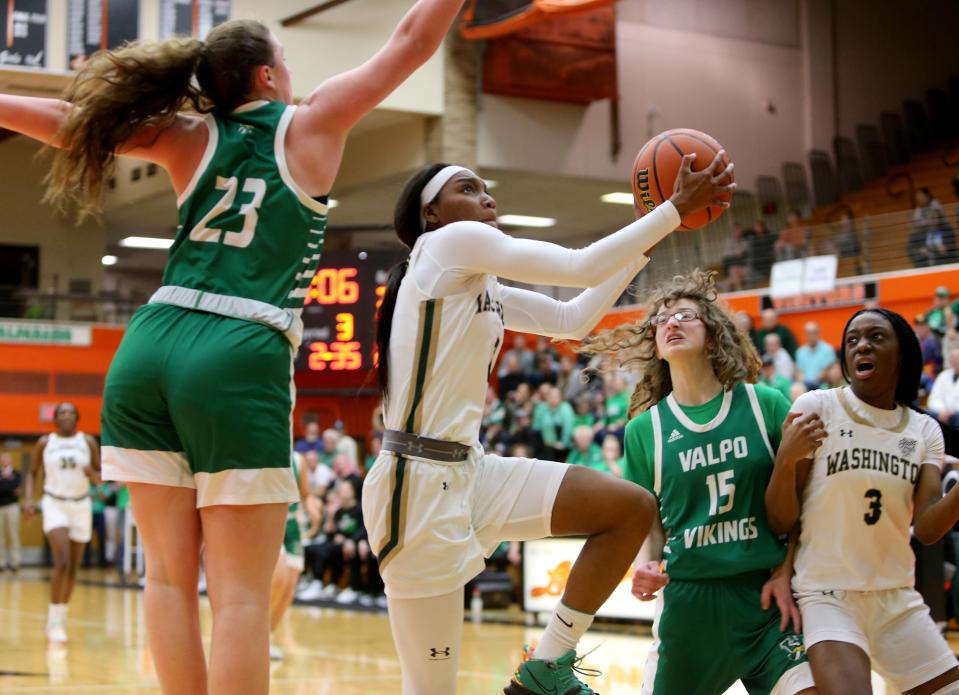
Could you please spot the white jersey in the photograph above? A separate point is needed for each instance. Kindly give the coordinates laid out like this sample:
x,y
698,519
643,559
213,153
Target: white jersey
x,y
450,312
64,459
441,353
857,506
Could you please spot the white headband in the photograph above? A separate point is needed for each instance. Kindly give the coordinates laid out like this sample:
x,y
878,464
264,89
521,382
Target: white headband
x,y
435,185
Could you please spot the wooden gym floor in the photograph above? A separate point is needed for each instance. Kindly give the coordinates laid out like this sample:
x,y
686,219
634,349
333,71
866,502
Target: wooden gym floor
x,y
327,650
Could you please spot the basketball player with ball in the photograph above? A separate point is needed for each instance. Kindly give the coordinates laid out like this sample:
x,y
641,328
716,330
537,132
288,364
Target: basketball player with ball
x,y
434,503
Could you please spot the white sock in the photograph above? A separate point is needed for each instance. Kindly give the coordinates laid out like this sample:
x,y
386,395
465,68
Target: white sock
x,y
563,632
62,613
54,615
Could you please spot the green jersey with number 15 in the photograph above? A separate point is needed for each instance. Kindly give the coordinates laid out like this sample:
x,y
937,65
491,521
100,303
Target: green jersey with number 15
x,y
246,229
709,466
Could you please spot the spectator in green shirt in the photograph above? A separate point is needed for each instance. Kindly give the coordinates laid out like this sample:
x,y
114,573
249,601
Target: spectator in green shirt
x,y
376,443
617,405
585,451
553,419
771,324
613,455
769,376
939,316
584,415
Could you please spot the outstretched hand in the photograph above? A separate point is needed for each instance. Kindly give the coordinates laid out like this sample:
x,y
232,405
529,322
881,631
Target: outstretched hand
x,y
698,189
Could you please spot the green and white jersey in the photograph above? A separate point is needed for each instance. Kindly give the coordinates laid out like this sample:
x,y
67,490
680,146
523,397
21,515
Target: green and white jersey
x,y
249,238
709,466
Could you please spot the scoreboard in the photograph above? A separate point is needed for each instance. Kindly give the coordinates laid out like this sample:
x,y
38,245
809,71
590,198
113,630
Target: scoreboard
x,y
339,313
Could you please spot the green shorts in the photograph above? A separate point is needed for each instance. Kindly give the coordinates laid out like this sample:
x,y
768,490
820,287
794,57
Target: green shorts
x,y
709,634
203,401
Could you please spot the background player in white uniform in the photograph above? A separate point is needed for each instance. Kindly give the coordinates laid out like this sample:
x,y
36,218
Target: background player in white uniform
x,y
876,471
70,461
434,504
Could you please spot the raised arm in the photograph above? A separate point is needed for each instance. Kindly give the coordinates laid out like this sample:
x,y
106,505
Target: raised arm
x,y
532,312
473,247
35,117
326,116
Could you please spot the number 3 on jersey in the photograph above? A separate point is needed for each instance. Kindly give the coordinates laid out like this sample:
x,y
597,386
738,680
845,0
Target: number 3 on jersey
x,y
875,507
240,239
720,485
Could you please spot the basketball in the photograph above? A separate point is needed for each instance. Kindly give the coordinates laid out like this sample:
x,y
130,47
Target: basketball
x,y
657,165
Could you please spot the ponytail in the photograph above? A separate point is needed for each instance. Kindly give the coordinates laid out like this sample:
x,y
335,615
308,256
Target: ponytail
x,y
141,87
406,222
115,96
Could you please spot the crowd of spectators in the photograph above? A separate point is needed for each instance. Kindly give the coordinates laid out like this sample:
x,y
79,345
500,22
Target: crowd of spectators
x,y
335,538
556,407
749,252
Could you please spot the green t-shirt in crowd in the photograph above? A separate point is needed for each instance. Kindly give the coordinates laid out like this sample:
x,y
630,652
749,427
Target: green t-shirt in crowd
x,y
616,408
778,382
591,458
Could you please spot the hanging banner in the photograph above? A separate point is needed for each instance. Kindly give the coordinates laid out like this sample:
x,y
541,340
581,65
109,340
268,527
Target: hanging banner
x,y
191,17
94,25
23,33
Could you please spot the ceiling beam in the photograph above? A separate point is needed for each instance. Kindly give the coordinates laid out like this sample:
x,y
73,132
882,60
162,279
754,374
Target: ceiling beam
x,y
309,12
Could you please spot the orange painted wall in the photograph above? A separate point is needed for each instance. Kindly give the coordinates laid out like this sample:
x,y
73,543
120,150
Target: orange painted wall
x,y
20,413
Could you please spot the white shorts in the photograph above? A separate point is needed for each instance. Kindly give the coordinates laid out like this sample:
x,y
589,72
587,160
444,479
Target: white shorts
x,y
893,627
432,523
74,515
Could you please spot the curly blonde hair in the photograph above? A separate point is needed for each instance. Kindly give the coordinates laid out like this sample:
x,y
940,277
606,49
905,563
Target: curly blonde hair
x,y
633,346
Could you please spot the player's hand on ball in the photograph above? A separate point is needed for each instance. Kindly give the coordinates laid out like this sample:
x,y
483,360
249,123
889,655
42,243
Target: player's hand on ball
x,y
802,435
699,189
647,580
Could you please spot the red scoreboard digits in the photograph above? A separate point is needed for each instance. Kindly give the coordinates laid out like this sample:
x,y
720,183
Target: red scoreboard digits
x,y
339,311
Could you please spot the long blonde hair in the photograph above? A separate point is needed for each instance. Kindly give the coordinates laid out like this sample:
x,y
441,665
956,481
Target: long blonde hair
x,y
143,85
633,346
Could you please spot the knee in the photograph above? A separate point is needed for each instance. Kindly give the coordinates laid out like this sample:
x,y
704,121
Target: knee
x,y
643,509
183,577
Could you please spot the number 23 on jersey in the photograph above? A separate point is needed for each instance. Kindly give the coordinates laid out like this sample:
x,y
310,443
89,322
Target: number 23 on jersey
x,y
249,211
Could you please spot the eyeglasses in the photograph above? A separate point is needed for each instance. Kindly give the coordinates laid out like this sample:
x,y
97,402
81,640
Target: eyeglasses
x,y
683,316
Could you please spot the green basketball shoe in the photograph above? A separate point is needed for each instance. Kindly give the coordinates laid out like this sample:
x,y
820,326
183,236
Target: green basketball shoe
x,y
538,677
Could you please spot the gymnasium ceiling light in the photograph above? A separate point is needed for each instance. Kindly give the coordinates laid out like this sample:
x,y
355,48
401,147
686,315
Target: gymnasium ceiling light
x,y
146,242
109,260
619,198
525,221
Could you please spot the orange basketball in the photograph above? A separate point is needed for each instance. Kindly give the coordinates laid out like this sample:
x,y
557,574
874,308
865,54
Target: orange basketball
x,y
657,165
